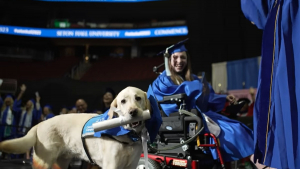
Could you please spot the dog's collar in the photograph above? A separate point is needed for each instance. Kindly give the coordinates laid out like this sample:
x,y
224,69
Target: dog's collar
x,y
133,137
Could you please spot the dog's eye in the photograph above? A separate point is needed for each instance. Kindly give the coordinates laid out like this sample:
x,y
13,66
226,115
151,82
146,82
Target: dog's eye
x,y
123,101
138,98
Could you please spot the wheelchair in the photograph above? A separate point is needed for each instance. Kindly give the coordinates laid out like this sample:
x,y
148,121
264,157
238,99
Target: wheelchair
x,y
178,144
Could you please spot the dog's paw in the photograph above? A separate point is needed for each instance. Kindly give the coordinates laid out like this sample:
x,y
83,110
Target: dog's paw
x,y
55,166
38,163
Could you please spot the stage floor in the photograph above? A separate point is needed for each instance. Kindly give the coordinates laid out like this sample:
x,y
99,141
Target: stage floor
x,y
15,164
21,164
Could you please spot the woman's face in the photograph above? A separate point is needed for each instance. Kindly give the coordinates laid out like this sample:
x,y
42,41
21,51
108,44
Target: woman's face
x,y
29,104
108,97
179,61
8,101
64,111
46,110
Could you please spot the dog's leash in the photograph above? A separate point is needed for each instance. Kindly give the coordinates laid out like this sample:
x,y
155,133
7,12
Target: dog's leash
x,y
145,146
144,136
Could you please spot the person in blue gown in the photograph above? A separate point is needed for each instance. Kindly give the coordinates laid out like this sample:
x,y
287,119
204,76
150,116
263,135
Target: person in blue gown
x,y
30,116
47,112
10,113
236,139
276,114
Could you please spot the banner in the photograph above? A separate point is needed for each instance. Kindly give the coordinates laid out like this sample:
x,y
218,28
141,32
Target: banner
x,y
95,33
99,0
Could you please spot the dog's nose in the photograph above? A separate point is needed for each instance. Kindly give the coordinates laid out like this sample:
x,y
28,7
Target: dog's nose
x,y
133,112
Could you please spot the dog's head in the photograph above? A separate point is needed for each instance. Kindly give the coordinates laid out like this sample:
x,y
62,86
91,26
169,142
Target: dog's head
x,y
132,102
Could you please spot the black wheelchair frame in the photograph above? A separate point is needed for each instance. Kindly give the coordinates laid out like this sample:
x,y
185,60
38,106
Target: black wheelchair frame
x,y
177,129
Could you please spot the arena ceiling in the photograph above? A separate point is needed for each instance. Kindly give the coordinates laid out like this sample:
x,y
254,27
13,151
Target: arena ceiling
x,y
118,12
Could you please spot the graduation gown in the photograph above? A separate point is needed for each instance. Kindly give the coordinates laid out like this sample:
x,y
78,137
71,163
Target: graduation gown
x,y
276,113
236,139
49,116
35,117
7,132
1,101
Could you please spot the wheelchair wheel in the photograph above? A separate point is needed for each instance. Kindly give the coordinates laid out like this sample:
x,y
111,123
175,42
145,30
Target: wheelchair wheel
x,y
151,164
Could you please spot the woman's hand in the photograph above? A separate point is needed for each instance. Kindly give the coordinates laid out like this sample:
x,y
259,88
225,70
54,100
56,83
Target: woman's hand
x,y
38,98
251,91
23,88
231,98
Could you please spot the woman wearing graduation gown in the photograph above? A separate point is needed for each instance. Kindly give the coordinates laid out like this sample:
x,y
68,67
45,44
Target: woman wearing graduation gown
x,y
10,113
47,112
30,115
236,139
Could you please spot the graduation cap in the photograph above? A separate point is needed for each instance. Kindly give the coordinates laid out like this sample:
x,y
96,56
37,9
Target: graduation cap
x,y
9,96
33,101
48,106
178,47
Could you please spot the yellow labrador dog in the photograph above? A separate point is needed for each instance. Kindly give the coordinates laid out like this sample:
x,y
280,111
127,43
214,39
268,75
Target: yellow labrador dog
x,y
57,140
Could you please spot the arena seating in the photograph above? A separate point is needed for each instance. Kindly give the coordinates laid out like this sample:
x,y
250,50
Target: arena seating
x,y
37,70
123,69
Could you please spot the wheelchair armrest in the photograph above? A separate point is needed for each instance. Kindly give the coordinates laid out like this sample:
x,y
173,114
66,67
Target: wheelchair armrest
x,y
173,98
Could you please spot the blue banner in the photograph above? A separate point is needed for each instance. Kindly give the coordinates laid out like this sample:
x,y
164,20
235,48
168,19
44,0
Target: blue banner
x,y
95,33
99,0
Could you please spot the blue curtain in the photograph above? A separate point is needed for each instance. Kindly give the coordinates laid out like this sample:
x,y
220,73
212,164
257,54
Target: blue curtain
x,y
242,71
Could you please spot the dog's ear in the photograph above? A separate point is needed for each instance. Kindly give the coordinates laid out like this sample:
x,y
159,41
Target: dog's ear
x,y
147,102
111,112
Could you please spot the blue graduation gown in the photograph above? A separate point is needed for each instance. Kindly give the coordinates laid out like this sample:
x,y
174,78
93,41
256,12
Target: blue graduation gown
x,y
1,101
276,114
36,116
49,116
236,139
16,110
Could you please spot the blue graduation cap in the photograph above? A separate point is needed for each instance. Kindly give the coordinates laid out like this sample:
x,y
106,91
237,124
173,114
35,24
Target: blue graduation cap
x,y
72,107
9,96
178,47
48,106
33,101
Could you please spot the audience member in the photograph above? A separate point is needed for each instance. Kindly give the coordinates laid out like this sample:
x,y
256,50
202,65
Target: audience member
x,y
73,110
30,116
108,97
9,117
81,106
47,112
64,110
